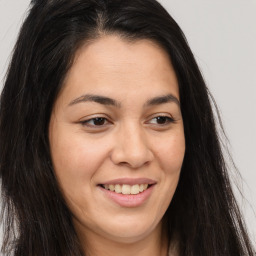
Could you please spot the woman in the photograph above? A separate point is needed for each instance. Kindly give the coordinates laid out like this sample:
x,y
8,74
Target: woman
x,y
108,140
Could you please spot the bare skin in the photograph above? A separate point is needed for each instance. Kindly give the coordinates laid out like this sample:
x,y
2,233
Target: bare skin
x,y
118,117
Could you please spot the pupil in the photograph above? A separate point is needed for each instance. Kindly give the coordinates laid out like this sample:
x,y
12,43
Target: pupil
x,y
161,120
99,121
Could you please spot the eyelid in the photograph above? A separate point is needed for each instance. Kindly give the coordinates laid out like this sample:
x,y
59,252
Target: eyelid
x,y
168,116
107,120
85,122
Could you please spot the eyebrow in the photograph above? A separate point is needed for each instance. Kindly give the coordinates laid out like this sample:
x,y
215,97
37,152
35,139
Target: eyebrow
x,y
161,100
109,101
95,98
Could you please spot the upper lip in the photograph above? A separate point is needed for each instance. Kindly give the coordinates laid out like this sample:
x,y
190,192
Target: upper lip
x,y
129,181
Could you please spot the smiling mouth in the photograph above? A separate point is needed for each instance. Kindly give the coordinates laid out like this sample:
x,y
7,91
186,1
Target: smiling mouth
x,y
126,189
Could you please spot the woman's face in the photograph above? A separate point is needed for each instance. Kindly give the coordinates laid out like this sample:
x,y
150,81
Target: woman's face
x,y
117,140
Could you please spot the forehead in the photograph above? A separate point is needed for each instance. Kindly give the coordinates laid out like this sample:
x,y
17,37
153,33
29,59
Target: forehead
x,y
114,65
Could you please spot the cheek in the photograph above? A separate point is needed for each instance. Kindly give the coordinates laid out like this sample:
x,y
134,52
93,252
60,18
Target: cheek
x,y
171,153
75,162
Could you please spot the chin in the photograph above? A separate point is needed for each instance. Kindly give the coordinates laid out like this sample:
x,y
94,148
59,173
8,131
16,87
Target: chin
x,y
130,230
125,230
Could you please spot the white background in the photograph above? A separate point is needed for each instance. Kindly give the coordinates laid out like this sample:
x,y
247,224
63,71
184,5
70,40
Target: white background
x,y
222,36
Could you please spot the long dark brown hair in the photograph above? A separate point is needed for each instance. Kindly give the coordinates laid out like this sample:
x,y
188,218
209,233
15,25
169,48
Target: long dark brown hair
x,y
203,215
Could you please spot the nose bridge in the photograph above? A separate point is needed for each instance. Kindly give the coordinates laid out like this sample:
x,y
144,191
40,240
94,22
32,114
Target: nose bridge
x,y
132,147
134,138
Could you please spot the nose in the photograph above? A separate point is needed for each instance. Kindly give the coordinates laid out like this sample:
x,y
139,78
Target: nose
x,y
131,147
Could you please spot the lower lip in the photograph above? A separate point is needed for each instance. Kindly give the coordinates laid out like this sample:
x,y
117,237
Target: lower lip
x,y
129,200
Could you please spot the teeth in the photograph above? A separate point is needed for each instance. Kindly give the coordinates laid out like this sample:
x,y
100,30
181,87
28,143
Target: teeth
x,y
106,186
145,186
126,189
141,188
111,187
118,189
135,189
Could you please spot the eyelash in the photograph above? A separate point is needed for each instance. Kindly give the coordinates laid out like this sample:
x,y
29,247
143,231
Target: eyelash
x,y
86,122
167,119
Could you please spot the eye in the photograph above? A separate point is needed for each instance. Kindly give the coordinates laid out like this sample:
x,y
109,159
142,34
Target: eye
x,y
96,121
161,120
